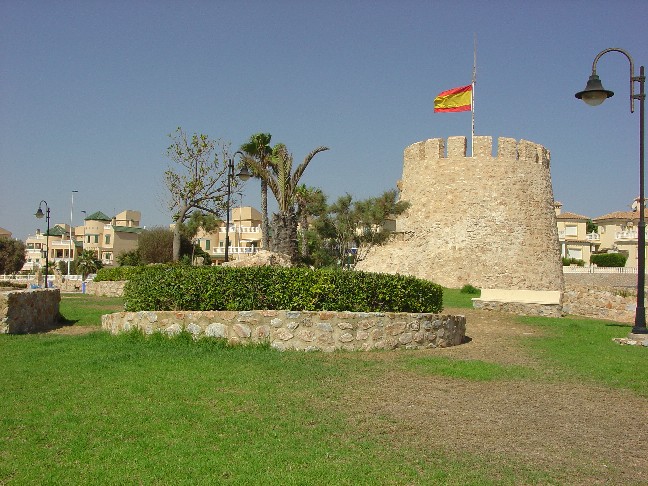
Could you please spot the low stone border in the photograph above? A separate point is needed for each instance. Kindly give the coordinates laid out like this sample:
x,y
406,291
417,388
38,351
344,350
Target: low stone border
x,y
305,331
633,340
519,308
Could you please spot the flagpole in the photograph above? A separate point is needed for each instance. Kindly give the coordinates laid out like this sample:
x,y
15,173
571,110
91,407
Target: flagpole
x,y
472,99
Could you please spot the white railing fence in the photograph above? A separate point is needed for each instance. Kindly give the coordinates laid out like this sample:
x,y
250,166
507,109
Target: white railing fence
x,y
571,269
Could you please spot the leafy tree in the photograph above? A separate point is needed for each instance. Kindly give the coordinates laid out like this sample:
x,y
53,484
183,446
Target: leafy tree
x,y
12,255
349,229
283,182
591,227
129,259
88,263
156,245
200,183
258,148
197,221
371,215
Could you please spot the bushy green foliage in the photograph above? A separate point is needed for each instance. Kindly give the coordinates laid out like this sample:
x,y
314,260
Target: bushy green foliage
x,y
469,289
566,261
118,273
609,259
13,285
176,287
12,255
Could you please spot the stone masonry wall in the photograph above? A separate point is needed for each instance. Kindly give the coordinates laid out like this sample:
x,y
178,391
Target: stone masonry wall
x,y
616,304
307,330
23,311
484,220
106,288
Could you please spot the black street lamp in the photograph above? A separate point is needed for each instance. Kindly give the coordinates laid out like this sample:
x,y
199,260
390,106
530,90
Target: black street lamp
x,y
594,94
244,175
39,214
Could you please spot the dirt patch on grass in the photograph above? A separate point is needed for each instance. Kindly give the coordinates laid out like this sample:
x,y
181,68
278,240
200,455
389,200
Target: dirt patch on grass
x,y
73,330
573,432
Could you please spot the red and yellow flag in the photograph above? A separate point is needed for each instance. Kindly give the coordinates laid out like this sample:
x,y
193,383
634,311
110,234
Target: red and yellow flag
x,y
455,99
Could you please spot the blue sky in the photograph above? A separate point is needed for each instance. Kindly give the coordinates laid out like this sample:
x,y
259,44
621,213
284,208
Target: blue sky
x,y
90,91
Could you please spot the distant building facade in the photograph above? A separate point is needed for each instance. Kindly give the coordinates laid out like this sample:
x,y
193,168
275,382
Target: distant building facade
x,y
106,237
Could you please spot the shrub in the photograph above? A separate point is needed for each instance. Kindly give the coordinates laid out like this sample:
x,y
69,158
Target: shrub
x,y
469,289
117,273
566,261
609,259
13,285
177,287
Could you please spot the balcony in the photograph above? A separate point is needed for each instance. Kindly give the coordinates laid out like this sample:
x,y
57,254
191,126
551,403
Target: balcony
x,y
235,250
593,237
626,235
241,229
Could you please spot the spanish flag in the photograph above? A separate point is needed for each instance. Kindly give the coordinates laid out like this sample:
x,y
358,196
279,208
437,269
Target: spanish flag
x,y
455,99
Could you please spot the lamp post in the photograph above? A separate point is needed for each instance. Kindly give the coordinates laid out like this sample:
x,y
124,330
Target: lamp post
x,y
70,245
594,94
244,175
39,214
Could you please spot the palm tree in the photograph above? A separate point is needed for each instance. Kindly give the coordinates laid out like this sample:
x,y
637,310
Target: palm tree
x,y
258,148
88,263
310,201
282,181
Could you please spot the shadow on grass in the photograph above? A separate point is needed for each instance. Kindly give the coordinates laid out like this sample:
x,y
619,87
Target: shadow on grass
x,y
618,324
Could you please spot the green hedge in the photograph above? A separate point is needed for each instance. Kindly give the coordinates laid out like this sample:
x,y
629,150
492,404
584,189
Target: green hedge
x,y
175,287
572,261
609,259
118,273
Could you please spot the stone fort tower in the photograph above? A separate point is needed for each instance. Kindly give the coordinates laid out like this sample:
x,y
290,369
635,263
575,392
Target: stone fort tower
x,y
484,220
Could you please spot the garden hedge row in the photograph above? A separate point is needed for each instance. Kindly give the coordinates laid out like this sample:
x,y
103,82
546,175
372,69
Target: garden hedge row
x,y
118,273
177,287
609,259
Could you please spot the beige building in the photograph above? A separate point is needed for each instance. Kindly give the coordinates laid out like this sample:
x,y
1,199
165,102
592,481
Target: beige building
x,y
244,236
61,247
107,237
575,241
619,232
5,233
110,237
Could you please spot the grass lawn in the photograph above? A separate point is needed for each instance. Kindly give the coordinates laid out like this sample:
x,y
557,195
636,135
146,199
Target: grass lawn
x,y
454,298
86,310
101,409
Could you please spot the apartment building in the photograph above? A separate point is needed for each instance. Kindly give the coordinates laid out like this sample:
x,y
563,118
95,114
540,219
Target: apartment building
x,y
110,237
244,236
62,247
107,237
575,241
619,232
5,233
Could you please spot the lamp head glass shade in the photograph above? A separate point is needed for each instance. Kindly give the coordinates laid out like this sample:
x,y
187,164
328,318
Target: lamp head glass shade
x,y
594,94
244,173
39,214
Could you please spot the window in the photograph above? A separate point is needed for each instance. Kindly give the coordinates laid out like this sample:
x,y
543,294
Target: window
x,y
107,240
207,244
96,238
571,230
88,239
576,253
